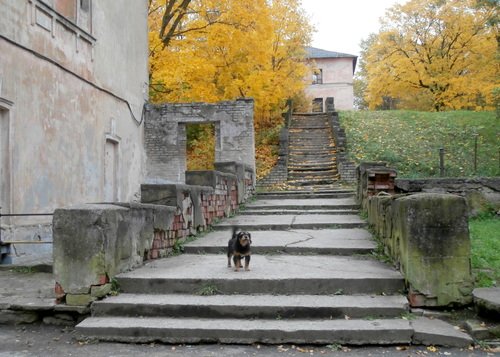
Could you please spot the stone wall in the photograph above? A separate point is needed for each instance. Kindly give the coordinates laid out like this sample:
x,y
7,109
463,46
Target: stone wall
x,y
427,237
346,168
481,192
165,136
95,242
425,234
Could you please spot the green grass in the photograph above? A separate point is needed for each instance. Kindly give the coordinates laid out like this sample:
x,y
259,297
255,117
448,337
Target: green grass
x,y
485,249
410,141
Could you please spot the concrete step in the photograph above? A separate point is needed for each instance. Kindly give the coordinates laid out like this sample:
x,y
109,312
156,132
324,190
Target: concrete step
x,y
250,212
252,306
307,174
313,181
300,241
269,274
274,331
240,331
304,200
283,222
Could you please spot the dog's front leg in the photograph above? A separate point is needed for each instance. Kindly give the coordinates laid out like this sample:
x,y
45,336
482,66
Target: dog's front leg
x,y
247,262
237,262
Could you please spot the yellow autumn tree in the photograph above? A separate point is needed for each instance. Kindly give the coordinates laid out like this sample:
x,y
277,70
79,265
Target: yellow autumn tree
x,y
226,49
435,55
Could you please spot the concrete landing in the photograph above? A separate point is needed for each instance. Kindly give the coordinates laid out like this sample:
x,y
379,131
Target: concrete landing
x,y
285,221
270,274
300,241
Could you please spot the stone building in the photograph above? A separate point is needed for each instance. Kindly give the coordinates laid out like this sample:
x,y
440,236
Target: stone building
x,y
73,84
332,77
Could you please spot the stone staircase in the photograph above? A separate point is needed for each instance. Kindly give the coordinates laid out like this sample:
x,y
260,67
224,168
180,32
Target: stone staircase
x,y
313,280
311,151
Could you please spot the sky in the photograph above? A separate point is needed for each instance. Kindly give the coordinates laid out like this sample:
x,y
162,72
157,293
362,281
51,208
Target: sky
x,y
341,25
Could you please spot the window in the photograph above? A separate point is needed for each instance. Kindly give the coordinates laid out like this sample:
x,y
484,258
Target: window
x,y
317,76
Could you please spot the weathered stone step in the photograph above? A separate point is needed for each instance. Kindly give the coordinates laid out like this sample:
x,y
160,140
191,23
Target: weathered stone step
x,y
304,200
296,211
299,167
269,274
239,331
305,221
316,173
252,306
300,241
274,331
313,181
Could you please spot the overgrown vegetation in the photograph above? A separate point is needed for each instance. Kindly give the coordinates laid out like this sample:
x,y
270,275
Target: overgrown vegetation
x,y
410,141
485,247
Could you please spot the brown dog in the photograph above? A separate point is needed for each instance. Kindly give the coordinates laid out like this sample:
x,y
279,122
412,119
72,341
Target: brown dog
x,y
238,248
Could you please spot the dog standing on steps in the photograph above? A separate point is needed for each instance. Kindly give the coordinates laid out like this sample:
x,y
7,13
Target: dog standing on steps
x,y
238,248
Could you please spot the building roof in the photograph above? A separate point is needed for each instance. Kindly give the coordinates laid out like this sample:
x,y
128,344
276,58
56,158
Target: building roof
x,y
314,53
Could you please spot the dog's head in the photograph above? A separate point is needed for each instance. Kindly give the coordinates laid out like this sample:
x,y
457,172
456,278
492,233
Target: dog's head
x,y
244,238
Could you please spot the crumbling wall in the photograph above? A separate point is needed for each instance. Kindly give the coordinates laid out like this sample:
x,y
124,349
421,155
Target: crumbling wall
x,y
165,136
95,242
426,235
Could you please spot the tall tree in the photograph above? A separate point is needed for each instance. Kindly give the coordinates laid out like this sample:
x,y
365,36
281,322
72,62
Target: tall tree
x,y
224,49
440,53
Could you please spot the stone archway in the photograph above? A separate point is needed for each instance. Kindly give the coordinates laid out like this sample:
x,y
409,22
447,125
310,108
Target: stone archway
x,y
165,136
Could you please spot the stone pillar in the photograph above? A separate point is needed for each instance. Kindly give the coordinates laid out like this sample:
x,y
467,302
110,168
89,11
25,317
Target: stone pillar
x,y
329,104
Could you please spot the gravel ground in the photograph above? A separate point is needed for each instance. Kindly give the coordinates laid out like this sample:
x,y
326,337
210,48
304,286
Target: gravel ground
x,y
46,340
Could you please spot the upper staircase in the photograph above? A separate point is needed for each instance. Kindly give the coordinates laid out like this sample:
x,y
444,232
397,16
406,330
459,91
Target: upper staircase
x,y
311,151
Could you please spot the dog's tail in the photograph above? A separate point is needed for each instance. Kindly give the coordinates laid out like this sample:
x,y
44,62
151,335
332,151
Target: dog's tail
x,y
234,231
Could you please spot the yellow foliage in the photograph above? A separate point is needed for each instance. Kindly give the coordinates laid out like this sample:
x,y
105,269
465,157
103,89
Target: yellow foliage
x,y
435,53
231,49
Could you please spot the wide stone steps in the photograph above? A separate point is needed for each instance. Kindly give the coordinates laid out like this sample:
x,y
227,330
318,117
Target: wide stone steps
x,y
318,193
307,174
248,331
252,306
304,221
306,286
293,242
314,181
270,274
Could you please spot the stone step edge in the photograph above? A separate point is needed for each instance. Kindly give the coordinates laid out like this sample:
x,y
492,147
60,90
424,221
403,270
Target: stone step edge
x,y
352,332
252,306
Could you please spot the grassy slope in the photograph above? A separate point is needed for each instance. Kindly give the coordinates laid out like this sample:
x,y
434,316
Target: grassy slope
x,y
410,141
485,242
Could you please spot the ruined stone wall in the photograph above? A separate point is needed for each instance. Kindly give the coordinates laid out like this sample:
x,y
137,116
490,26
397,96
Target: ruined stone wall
x,y
346,168
480,192
427,237
165,136
95,242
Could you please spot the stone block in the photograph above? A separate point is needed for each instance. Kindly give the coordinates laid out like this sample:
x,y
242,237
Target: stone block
x,y
434,245
79,299
18,317
100,291
487,302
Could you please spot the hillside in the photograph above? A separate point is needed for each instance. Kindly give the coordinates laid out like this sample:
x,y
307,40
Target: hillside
x,y
410,141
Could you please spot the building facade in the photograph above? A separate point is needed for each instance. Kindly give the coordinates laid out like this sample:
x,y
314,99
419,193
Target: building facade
x,y
73,84
332,77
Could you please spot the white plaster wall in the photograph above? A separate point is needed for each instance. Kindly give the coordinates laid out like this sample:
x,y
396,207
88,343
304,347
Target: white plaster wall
x,y
58,121
337,82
